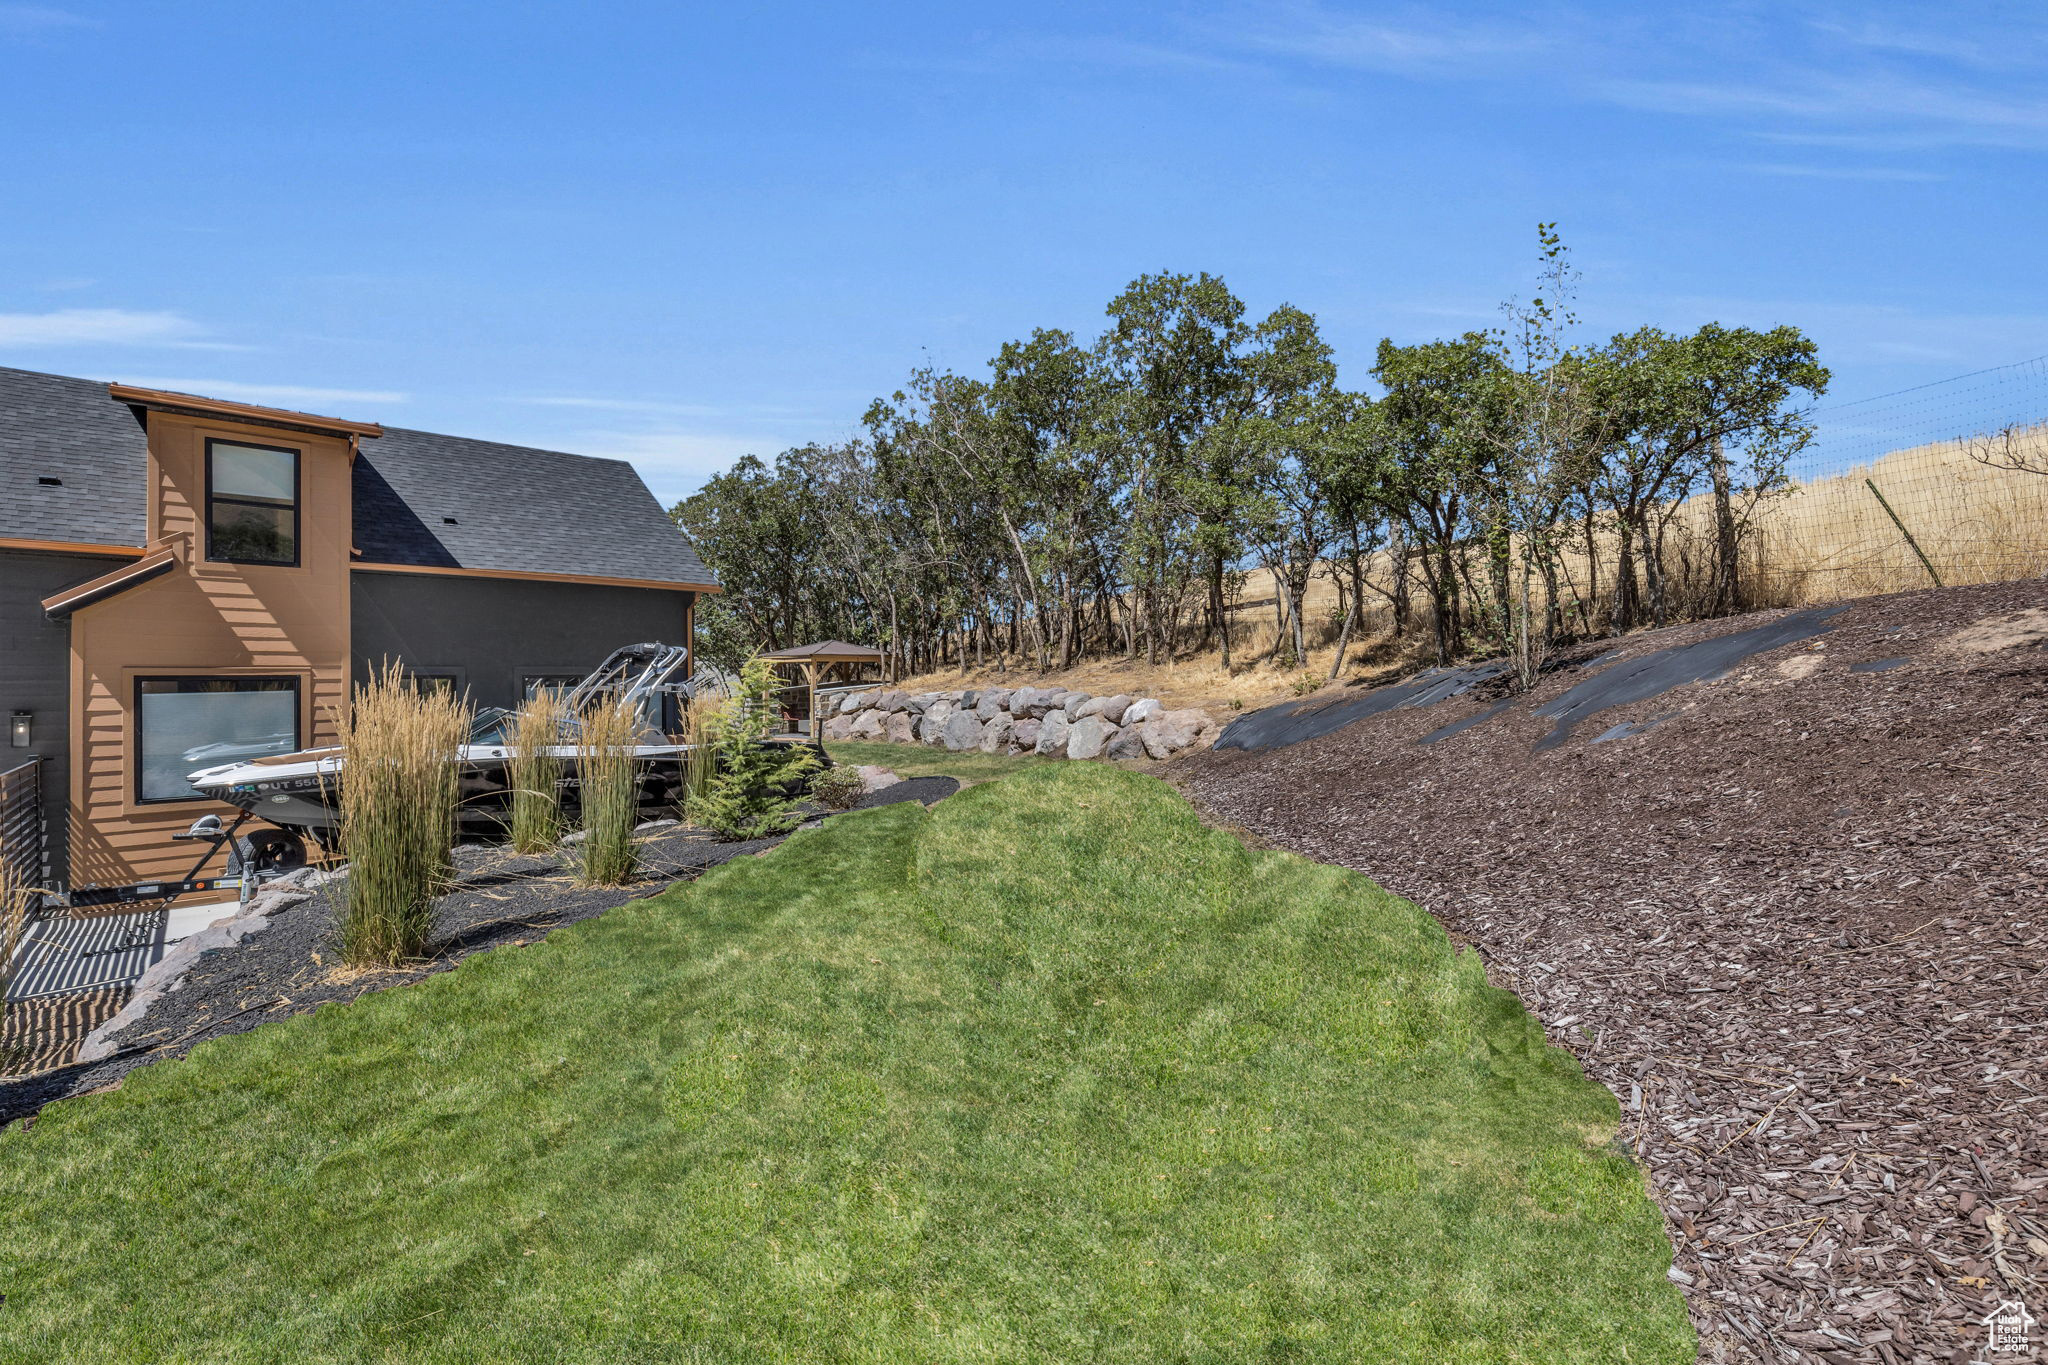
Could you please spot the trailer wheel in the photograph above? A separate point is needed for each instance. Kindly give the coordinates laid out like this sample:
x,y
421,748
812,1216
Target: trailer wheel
x,y
270,850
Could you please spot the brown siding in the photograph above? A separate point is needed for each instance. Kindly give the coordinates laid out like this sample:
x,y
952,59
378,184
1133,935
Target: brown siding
x,y
204,619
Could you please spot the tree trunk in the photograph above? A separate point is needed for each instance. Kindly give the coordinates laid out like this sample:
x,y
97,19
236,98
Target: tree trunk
x,y
1727,591
1350,615
1403,602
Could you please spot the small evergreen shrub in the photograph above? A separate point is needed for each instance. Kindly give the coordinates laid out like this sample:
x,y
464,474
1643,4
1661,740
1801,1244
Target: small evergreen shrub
x,y
754,788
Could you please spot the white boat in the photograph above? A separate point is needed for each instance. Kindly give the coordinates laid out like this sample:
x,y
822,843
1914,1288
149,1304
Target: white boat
x,y
299,794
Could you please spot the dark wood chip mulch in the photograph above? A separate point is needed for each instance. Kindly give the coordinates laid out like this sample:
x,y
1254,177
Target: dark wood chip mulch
x,y
1797,928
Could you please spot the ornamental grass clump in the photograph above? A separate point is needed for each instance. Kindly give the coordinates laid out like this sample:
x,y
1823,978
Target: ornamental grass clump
x,y
400,785
753,791
535,822
699,762
608,779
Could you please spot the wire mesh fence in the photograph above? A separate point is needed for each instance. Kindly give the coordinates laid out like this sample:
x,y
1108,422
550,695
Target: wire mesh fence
x,y
1944,483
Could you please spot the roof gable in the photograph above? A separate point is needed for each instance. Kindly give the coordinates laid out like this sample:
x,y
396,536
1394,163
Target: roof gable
x,y
451,502
421,500
53,427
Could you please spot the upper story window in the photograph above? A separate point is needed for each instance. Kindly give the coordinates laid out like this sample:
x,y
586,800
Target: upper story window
x,y
252,503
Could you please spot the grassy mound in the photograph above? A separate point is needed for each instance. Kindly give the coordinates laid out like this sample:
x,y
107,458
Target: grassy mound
x,y
924,760
1049,1073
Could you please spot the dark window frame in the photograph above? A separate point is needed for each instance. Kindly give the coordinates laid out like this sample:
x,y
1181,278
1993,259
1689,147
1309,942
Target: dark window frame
x,y
456,678
565,680
298,691
297,504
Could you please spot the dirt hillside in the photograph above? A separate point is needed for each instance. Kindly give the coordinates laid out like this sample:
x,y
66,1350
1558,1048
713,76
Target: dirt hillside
x,y
1792,915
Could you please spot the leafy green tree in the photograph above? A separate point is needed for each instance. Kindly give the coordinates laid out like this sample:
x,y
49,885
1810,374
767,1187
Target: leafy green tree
x,y
1433,421
1171,357
1681,403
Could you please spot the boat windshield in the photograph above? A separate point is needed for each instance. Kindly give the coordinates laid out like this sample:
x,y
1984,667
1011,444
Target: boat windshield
x,y
493,725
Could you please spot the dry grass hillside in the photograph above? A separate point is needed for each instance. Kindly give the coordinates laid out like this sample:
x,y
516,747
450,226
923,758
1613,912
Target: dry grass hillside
x,y
1829,539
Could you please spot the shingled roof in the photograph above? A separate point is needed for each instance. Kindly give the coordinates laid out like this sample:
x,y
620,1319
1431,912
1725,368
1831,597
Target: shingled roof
x,y
448,501
421,499
68,430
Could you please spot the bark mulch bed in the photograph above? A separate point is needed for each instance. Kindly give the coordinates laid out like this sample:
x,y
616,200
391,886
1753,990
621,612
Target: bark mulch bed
x,y
292,966
1797,927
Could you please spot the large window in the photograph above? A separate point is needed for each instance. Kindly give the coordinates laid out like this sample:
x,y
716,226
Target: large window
x,y
185,724
252,503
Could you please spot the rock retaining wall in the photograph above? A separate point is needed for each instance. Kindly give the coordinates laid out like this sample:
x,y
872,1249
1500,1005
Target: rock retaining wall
x,y
1023,720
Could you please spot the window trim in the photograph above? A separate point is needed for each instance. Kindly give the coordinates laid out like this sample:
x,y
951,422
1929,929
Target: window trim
x,y
298,691
298,503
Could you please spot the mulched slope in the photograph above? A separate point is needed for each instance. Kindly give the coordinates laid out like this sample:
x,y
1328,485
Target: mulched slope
x,y
290,967
1797,927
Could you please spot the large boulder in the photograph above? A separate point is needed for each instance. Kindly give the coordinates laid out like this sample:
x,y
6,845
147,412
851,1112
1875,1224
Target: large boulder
x,y
1138,712
1172,731
931,729
960,732
838,727
1110,709
1088,737
893,702
1128,743
995,735
970,698
920,703
1052,735
900,727
1072,705
1034,702
852,702
870,725
1024,735
994,702
873,778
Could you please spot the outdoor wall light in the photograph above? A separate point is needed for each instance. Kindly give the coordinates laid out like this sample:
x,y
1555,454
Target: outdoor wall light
x,y
20,729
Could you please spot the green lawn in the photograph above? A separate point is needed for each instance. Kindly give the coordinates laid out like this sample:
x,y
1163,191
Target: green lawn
x,y
924,760
1050,1073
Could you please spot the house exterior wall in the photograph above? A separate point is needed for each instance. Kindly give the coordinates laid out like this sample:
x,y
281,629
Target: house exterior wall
x,y
204,619
489,634
35,672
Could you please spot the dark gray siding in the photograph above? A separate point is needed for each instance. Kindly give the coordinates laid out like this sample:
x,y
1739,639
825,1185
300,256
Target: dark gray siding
x,y
490,633
35,670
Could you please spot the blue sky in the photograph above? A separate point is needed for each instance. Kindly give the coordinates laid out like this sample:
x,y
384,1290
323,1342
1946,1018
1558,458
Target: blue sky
x,y
681,233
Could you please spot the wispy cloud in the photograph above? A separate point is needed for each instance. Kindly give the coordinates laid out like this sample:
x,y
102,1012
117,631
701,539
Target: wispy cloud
x,y
1872,332
267,393
1133,54
1419,42
1876,107
674,462
651,407
1793,170
28,21
101,327
1822,81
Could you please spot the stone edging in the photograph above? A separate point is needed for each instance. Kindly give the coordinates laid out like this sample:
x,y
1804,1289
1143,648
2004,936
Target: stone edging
x,y
1050,721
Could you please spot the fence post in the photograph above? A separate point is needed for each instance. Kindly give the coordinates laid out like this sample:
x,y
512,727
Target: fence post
x,y
1925,562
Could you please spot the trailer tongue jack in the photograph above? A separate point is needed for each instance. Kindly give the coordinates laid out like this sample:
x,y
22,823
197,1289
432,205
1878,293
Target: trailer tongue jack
x,y
207,829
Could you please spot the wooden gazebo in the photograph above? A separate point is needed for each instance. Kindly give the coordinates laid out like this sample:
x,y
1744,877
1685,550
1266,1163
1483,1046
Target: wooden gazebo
x,y
828,669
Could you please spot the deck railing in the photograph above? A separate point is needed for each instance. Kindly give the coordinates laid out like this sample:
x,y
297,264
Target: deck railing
x,y
22,842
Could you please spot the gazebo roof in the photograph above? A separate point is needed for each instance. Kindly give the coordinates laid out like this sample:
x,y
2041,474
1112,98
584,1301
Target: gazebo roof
x,y
829,651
